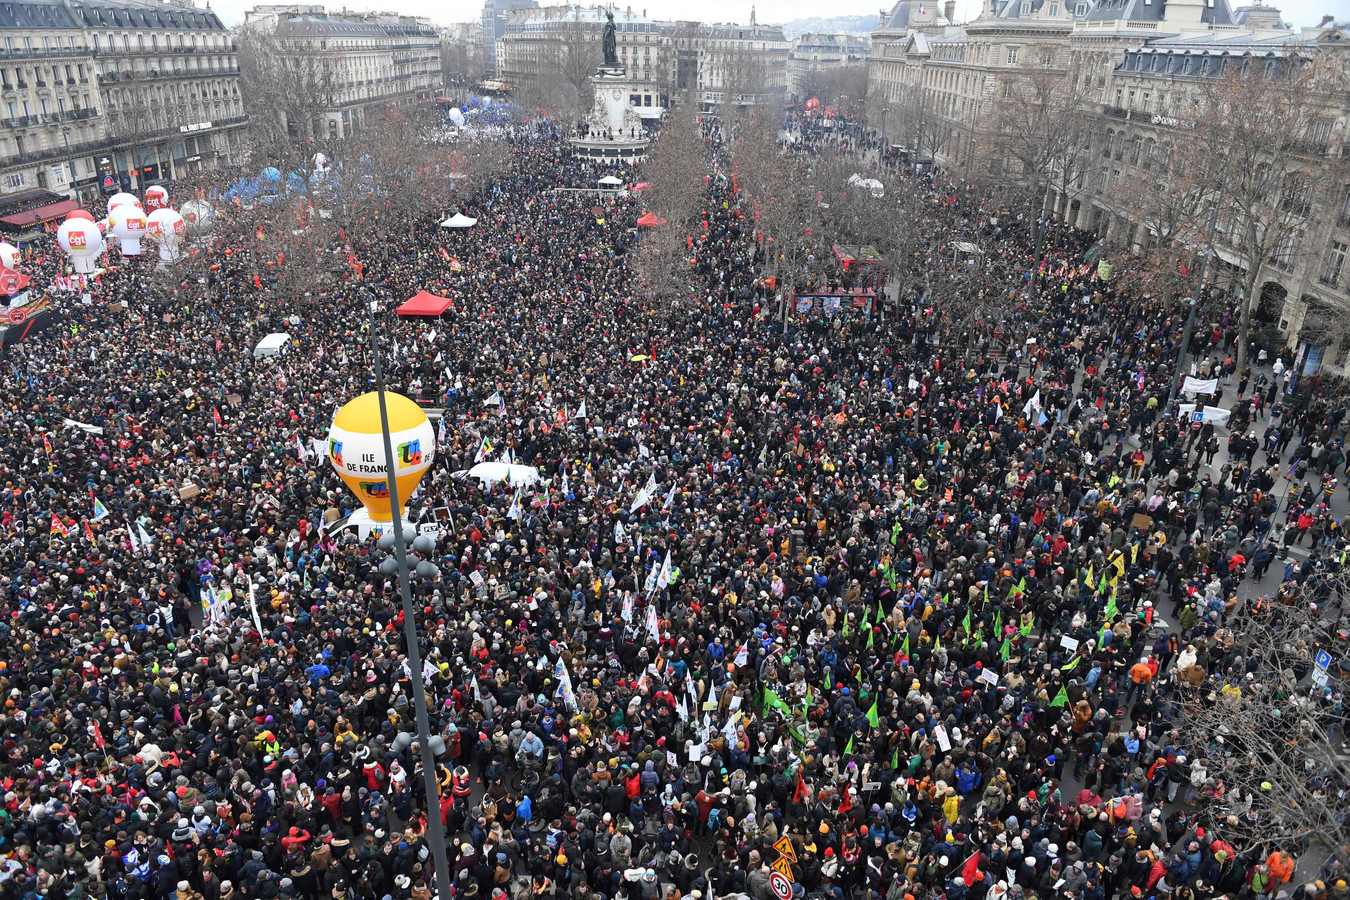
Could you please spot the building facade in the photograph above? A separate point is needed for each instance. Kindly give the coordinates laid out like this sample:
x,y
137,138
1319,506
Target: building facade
x,y
953,91
100,95
361,67
815,57
495,14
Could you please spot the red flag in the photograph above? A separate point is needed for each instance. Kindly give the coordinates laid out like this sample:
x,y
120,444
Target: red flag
x,y
98,736
971,867
58,527
800,793
215,414
88,532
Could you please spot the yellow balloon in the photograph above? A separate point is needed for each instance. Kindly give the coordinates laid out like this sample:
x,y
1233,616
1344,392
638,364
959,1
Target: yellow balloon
x,y
356,449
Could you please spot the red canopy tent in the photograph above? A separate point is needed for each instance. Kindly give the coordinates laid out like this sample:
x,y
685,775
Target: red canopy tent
x,y
650,221
424,304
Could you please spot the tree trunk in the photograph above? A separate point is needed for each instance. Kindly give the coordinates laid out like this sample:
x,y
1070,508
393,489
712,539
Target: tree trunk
x,y
1245,320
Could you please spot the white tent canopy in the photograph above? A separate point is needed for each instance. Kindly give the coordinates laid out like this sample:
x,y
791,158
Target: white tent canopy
x,y
611,181
490,472
271,345
459,220
876,188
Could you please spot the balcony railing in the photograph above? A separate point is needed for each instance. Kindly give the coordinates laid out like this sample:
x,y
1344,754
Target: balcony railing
x,y
44,53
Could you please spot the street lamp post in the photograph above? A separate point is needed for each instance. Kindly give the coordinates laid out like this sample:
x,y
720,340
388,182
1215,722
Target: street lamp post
x,y
435,826
70,163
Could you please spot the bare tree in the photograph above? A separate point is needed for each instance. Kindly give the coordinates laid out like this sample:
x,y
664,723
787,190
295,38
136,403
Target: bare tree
x,y
1259,728
675,169
284,90
1256,138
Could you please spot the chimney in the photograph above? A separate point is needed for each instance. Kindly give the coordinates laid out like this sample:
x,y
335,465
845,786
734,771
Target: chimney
x,y
949,10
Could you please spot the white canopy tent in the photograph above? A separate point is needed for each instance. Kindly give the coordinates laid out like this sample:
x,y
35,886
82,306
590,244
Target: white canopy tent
x,y
611,181
459,220
271,345
876,188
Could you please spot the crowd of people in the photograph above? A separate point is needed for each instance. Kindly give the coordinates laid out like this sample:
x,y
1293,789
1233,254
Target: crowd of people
x,y
892,621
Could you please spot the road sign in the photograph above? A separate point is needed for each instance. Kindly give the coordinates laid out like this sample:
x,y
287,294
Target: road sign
x,y
784,848
779,884
1323,660
782,866
1319,677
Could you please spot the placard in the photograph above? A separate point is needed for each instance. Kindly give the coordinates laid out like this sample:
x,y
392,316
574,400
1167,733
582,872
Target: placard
x,y
944,742
476,577
1068,643
989,676
672,760
872,786
709,705
1141,521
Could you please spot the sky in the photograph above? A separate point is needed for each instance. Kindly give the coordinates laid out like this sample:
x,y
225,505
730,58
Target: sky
x,y
444,12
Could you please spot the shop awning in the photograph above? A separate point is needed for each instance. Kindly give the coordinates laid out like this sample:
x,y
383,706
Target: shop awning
x,y
40,214
424,304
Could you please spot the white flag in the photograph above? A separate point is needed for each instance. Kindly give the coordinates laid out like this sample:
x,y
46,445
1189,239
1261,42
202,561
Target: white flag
x,y
647,493
514,511
300,448
743,654
144,536
663,579
131,535
618,532
494,400
650,584
581,411
1033,404
627,613
670,497
565,489
484,448
653,624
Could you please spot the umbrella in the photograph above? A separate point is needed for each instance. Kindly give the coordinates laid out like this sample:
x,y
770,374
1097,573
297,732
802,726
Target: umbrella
x,y
638,358
491,472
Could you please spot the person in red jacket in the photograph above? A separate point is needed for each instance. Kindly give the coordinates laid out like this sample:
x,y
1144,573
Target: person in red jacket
x,y
295,839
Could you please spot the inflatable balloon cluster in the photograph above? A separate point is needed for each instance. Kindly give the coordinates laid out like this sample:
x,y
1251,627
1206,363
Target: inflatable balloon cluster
x,y
84,240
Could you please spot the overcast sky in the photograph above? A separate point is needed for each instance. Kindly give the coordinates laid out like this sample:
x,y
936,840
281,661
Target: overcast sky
x,y
444,12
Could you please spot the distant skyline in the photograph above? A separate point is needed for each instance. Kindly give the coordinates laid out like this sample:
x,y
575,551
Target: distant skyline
x,y
1298,13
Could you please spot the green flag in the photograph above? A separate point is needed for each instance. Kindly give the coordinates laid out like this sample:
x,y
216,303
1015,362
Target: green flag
x,y
881,613
904,648
937,645
895,533
871,637
1019,588
998,623
1061,698
867,617
965,623
848,748
895,759
1101,585
1070,666
1006,650
1112,610
872,718
1025,629
844,633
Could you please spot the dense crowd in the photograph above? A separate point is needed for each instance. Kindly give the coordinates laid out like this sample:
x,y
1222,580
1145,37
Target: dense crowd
x,y
897,600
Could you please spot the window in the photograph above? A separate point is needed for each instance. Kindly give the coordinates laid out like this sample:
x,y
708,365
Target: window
x,y
1054,9
15,180
1012,56
1331,270
1046,57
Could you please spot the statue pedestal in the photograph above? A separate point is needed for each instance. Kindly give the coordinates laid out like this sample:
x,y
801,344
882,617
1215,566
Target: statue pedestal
x,y
614,127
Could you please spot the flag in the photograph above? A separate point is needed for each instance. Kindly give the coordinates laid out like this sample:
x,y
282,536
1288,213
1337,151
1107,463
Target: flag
x,y
144,536
47,444
871,637
98,736
1034,404
514,511
215,414
653,623
88,532
763,454
971,866
100,511
484,448
664,578
650,584
1006,650
581,411
1019,588
300,450
58,527
131,536
670,497
904,648
618,532
1071,665
1061,698
848,748
872,718
648,491
627,612
494,400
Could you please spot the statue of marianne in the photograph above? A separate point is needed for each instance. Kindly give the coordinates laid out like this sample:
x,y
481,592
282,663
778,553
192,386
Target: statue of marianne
x,y
611,53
